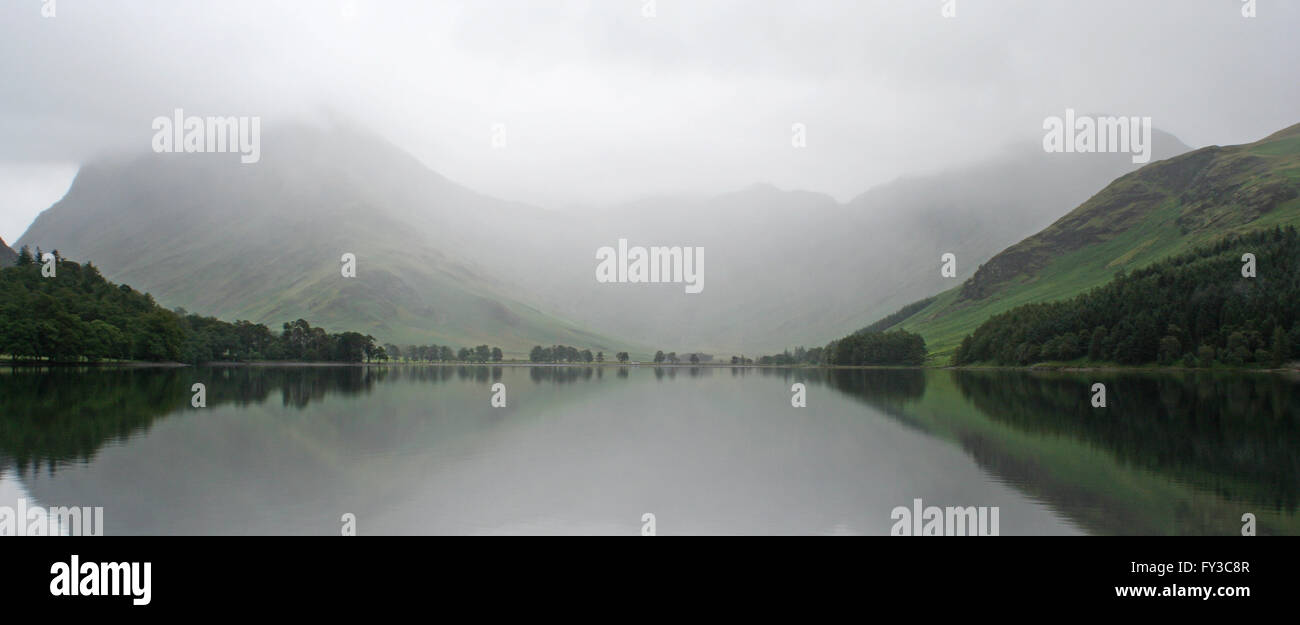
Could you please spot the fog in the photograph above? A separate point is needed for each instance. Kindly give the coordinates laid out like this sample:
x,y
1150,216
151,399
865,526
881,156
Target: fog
x,y
602,104
783,268
476,155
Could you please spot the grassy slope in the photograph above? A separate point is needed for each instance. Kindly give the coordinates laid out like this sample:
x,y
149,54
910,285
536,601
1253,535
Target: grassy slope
x,y
276,258
396,297
446,311
1163,209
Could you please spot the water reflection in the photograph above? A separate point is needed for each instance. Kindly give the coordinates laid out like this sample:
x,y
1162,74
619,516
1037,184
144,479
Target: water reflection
x,y
719,449
1238,434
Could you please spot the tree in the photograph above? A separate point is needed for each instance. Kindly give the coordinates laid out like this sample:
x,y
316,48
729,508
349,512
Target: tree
x,y
600,356
659,356
1281,347
622,356
898,347
496,354
1170,350
815,355
695,359
1096,350
103,340
586,355
352,346
962,355
1263,356
1205,356
163,338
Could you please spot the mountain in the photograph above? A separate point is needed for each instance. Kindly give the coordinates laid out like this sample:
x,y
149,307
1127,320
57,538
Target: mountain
x,y
264,242
7,256
1167,207
793,267
438,263
1191,309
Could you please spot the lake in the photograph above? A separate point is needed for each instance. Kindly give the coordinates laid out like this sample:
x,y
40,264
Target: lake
x,y
592,450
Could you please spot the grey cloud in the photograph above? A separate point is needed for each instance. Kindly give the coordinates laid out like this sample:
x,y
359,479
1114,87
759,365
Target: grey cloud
x,y
604,105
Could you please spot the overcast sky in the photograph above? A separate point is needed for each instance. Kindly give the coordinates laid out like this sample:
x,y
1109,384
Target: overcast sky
x,y
603,104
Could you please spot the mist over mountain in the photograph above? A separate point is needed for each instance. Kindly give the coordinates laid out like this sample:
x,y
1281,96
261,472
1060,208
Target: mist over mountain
x,y
437,262
1167,207
264,242
793,267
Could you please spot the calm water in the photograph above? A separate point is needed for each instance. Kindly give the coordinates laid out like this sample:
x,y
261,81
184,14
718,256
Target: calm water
x,y
420,450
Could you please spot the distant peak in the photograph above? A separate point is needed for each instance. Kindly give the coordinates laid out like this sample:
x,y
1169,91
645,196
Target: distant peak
x,y
767,190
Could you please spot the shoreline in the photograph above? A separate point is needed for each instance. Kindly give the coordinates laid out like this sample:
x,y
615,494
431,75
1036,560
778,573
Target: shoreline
x,y
1295,368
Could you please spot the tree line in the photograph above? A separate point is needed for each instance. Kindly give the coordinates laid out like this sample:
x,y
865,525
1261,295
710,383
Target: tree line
x,y
800,356
672,358
78,315
443,353
862,348
1194,310
898,347
565,353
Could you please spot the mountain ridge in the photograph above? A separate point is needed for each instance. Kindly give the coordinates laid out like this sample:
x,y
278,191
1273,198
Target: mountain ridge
x,y
1166,207
441,263
265,243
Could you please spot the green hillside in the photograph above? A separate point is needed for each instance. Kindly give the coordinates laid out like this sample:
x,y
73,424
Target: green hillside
x,y
1165,208
265,243
1190,309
